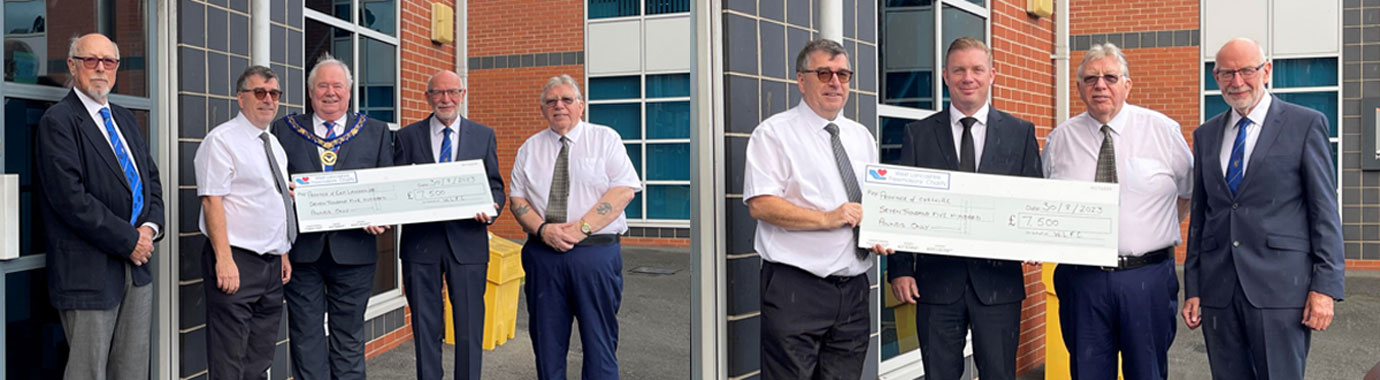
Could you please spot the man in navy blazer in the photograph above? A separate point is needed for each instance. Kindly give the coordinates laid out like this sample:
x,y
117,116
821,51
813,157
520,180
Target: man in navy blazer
x,y
102,205
953,294
1265,260
456,251
331,270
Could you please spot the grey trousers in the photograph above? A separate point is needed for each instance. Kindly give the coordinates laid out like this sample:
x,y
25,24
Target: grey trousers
x,y
112,343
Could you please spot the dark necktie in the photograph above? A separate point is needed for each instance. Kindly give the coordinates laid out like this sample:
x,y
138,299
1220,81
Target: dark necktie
x,y
850,180
330,135
282,186
967,156
136,187
445,145
1235,165
1106,158
560,185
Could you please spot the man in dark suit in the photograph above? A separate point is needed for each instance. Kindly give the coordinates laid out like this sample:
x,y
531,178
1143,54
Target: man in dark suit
x,y
456,251
331,270
1265,260
953,294
103,209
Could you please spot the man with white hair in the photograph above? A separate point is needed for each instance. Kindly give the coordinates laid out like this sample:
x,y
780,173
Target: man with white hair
x,y
332,271
1127,309
570,183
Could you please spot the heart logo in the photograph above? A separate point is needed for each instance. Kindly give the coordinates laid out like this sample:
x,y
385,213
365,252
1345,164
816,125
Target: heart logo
x,y
306,178
881,171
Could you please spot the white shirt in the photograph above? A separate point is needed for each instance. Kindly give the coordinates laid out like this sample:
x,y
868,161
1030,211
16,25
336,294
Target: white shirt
x,y
438,134
93,110
979,131
1257,117
598,162
231,163
320,128
790,156
1153,165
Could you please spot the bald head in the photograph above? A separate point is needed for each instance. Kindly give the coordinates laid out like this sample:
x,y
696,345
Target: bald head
x,y
1242,47
444,93
1242,73
92,59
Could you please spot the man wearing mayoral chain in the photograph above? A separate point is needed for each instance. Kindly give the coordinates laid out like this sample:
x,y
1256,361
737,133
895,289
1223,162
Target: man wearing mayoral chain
x,y
333,271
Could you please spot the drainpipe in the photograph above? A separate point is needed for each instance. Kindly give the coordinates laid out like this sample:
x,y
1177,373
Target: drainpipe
x,y
831,20
259,43
1061,62
462,51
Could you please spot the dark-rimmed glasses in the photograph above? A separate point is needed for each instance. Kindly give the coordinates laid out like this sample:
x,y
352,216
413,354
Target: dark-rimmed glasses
x,y
454,93
825,75
90,62
1245,73
260,93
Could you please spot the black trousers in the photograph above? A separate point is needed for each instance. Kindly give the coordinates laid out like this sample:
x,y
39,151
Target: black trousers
x,y
422,286
320,288
942,329
812,328
242,328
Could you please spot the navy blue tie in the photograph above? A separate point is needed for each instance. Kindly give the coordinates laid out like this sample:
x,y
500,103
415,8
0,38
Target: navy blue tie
x,y
1235,166
136,187
445,145
330,135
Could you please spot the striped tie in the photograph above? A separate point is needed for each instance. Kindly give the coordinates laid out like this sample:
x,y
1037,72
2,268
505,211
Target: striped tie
x,y
445,145
330,135
850,180
136,187
1106,158
560,185
1235,167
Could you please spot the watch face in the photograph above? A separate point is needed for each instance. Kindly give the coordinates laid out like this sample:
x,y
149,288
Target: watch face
x,y
584,228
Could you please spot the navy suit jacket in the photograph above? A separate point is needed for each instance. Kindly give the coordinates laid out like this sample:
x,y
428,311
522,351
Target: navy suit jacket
x,y
86,204
371,148
1280,235
467,240
1008,149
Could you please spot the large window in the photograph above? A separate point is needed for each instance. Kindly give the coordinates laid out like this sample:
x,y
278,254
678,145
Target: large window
x,y
651,113
913,37
626,8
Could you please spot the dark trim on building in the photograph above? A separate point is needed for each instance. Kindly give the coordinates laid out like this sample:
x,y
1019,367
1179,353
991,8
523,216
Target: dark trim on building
x,y
519,61
1137,40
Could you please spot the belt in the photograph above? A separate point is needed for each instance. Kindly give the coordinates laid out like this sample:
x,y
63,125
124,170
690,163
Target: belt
x,y
590,241
1133,262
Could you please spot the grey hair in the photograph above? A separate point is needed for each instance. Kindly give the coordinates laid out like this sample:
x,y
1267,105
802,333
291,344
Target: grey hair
x,y
1106,50
72,46
327,59
557,81
802,60
261,71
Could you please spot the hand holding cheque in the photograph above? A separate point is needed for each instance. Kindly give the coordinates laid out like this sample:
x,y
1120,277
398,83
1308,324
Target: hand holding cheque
x,y
393,195
988,216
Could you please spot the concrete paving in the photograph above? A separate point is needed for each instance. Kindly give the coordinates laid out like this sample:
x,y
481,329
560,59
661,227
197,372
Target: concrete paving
x,y
655,344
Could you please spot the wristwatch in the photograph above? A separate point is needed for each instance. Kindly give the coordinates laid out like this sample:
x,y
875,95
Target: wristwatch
x,y
584,227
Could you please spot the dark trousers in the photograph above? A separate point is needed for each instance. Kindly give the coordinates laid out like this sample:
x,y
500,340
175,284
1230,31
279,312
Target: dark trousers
x,y
317,289
242,328
1132,312
812,328
942,329
584,283
422,286
1246,342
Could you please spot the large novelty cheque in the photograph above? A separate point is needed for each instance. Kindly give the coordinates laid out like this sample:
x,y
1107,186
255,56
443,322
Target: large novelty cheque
x,y
989,216
393,195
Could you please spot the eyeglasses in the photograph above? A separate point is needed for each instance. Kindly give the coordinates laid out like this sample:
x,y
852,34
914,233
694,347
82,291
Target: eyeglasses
x,y
454,93
260,93
1245,73
90,62
551,103
1111,79
825,75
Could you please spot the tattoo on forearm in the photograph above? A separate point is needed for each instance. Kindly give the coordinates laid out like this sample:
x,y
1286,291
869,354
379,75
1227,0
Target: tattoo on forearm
x,y
521,210
604,208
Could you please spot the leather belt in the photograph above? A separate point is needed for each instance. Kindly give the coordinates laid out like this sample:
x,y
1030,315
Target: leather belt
x,y
590,241
1133,262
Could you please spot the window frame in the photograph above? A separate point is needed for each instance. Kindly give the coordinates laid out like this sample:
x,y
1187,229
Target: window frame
x,y
642,100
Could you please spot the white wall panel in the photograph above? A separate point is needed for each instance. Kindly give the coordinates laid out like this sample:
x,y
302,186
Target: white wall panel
x,y
615,48
1306,28
1227,19
668,44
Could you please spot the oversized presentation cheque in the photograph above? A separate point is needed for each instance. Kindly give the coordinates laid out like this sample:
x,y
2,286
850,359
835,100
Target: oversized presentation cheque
x,y
989,216
341,200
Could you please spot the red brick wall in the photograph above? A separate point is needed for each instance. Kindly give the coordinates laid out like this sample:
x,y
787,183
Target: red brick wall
x,y
1021,47
1120,16
502,27
421,58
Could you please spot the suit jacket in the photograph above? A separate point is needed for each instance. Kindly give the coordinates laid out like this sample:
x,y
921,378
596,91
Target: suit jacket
x,y
467,240
1280,235
371,148
1008,149
86,204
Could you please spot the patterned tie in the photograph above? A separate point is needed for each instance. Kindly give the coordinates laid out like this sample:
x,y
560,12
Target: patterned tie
x,y
560,185
136,186
850,180
445,145
1235,170
283,188
967,158
1106,158
330,135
